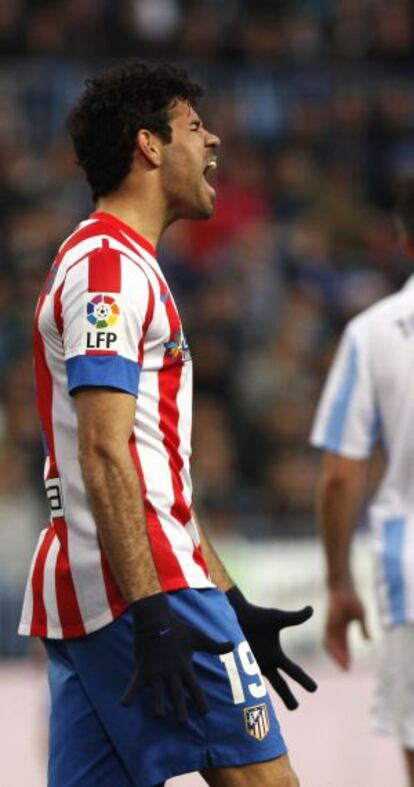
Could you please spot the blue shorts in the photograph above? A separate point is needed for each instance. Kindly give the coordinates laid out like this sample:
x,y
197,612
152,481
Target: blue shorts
x,y
94,740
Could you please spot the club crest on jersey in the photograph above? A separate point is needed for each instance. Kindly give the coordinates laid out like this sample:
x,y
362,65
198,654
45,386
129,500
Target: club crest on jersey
x,y
177,348
102,311
256,721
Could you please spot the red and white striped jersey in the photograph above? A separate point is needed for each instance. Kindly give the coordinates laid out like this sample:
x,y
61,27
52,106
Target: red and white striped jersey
x,y
106,317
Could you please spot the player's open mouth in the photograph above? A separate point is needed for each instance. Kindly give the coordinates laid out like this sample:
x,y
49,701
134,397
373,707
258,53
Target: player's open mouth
x,y
210,169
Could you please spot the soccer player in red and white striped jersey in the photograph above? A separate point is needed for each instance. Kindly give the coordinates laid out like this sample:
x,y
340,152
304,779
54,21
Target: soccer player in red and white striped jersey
x,y
123,583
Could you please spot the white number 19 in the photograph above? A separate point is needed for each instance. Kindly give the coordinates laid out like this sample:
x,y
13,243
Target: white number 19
x,y
250,666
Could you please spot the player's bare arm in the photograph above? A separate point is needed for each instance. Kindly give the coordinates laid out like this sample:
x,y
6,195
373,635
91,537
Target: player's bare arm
x,y
105,423
117,505
218,571
340,493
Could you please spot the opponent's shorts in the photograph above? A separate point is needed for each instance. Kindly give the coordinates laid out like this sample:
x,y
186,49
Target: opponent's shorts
x,y
94,740
392,710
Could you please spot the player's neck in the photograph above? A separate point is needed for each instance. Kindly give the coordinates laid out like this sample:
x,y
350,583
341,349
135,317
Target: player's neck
x,y
143,215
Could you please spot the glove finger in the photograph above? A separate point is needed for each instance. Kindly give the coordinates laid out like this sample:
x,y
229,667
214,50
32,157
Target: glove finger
x,y
280,686
284,618
201,641
297,673
195,690
175,688
158,697
131,690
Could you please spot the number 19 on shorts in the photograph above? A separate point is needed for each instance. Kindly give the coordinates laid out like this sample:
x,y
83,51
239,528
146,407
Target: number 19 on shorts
x,y
242,658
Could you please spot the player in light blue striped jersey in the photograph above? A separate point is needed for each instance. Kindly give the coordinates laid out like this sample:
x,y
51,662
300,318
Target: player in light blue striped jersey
x,y
368,400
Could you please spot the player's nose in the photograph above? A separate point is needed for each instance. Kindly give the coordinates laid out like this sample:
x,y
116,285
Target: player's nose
x,y
212,140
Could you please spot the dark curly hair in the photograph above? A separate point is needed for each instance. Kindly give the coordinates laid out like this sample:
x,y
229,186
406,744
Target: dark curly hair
x,y
113,107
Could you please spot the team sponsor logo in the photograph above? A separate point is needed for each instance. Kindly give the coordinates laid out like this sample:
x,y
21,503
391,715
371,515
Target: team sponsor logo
x,y
177,348
102,311
406,326
256,721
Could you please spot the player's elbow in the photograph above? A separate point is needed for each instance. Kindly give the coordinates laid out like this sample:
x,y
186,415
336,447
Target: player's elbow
x,y
333,483
333,491
340,472
100,464
99,450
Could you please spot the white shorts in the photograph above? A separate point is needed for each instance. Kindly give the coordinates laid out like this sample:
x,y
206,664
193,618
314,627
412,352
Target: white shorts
x,y
392,710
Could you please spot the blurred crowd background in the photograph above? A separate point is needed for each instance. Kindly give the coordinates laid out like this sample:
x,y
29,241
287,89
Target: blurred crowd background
x,y
314,103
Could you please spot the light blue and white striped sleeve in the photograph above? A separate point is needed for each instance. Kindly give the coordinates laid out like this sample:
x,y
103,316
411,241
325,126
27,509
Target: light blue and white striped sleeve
x,y
346,420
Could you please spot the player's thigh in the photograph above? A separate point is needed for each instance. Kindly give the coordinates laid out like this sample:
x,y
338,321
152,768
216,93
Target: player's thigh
x,y
273,773
392,710
80,752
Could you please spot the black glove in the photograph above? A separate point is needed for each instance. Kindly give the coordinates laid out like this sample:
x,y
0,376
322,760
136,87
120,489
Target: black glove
x,y
163,648
261,627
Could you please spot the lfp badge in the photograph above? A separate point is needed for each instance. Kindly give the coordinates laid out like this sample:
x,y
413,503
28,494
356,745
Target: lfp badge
x,y
102,311
256,721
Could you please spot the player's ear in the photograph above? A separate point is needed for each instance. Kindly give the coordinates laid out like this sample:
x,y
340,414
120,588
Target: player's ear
x,y
149,145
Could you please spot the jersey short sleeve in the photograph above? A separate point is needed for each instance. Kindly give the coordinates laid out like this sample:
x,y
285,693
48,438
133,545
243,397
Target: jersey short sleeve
x,y
346,420
105,305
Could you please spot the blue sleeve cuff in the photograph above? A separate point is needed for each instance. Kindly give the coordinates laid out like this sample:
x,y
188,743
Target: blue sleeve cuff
x,y
103,371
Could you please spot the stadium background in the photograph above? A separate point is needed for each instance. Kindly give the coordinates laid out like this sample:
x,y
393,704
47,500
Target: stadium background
x,y
314,103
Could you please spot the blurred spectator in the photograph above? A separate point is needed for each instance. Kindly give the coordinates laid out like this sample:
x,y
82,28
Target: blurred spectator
x,y
215,466
21,518
256,33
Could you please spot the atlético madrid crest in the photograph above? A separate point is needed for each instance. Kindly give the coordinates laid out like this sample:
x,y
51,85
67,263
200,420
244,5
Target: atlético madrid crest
x,y
256,721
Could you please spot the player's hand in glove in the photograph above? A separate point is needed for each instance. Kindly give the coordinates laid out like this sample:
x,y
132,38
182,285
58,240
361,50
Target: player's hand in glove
x,y
262,629
163,649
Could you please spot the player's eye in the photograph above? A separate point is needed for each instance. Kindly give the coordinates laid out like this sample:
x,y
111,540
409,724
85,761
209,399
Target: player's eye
x,y
195,125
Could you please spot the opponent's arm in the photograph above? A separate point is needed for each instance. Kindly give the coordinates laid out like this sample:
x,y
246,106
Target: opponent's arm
x,y
339,497
262,628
